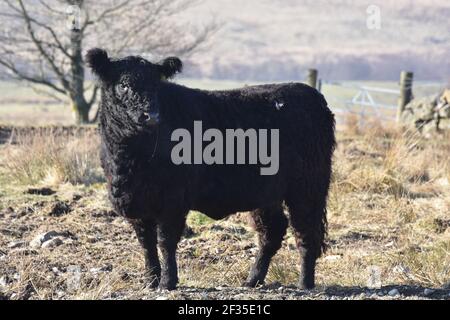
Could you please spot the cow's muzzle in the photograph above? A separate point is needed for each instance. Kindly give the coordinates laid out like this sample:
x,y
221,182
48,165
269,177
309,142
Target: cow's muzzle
x,y
147,118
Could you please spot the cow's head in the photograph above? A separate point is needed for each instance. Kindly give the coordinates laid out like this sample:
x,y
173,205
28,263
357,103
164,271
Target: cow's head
x,y
129,85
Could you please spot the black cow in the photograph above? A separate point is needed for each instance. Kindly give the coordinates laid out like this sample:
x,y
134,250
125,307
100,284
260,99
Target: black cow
x,y
140,110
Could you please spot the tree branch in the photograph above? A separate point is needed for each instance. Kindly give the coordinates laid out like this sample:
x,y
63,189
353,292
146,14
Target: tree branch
x,y
104,15
22,76
42,51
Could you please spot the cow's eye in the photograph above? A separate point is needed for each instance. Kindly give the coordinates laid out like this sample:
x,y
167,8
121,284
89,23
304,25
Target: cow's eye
x,y
121,89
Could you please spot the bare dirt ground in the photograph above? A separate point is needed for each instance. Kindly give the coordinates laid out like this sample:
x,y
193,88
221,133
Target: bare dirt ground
x,y
389,227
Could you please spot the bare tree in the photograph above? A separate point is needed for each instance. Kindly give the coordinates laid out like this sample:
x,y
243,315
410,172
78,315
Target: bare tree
x,y
42,40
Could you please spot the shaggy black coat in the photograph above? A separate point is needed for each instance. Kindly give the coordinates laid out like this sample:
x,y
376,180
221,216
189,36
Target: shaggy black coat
x,y
139,111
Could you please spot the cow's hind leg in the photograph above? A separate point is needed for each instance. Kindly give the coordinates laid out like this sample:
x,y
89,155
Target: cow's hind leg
x,y
271,225
146,234
307,217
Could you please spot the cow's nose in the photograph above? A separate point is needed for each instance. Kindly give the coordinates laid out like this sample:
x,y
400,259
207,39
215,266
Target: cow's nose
x,y
147,118
144,117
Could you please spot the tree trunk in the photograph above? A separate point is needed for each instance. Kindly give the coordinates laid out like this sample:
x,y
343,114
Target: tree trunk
x,y
80,109
80,106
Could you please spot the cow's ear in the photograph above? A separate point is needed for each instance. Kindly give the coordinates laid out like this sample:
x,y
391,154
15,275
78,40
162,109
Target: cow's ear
x,y
170,67
97,59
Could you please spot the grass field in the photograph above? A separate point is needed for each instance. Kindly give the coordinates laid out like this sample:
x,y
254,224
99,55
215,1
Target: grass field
x,y
389,226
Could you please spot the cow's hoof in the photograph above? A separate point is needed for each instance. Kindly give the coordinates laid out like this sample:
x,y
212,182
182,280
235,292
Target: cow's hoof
x,y
167,285
305,285
252,283
152,281
152,284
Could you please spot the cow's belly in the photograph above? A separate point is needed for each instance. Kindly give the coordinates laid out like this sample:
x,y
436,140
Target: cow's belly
x,y
228,191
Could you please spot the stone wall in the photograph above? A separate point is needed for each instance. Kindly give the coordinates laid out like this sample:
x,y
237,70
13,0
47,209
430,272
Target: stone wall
x,y
428,113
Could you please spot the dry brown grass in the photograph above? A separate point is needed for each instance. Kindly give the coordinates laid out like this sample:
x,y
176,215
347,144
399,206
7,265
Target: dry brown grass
x,y
53,157
389,208
392,185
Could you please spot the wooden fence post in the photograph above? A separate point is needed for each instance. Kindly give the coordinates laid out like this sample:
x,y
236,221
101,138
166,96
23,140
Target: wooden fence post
x,y
406,83
311,79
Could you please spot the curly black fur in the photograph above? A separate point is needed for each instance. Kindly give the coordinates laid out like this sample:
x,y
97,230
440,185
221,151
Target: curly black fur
x,y
140,110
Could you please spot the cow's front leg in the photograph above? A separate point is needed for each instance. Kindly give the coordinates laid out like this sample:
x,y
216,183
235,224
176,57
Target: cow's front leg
x,y
146,234
169,234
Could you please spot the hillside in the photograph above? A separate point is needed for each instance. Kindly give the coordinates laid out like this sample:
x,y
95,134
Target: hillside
x,y
279,39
